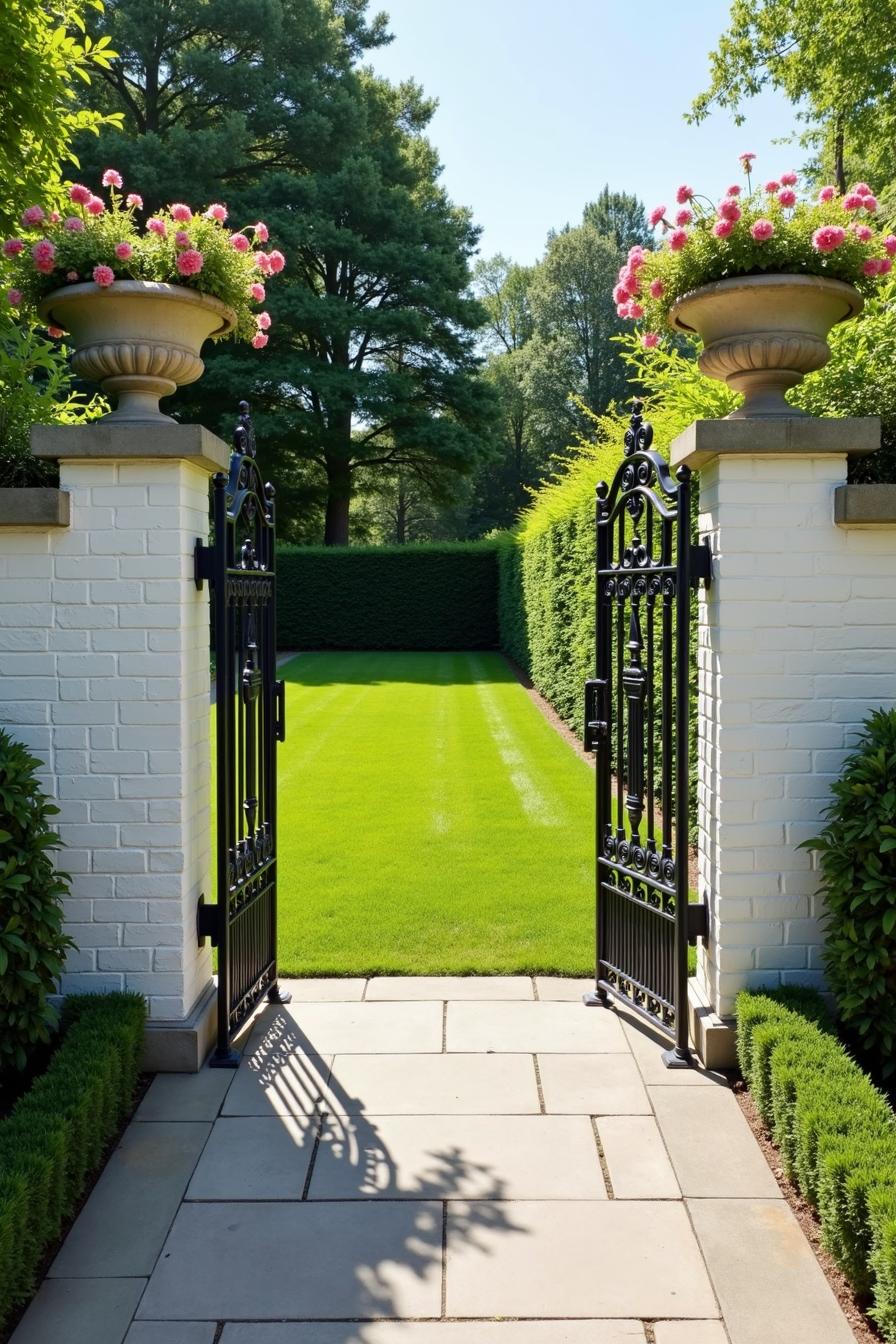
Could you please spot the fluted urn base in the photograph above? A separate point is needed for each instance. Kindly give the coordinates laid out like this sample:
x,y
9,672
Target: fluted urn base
x,y
763,333
138,339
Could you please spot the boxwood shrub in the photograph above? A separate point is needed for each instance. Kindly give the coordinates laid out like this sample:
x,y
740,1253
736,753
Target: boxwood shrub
x,y
438,596
836,1133
55,1136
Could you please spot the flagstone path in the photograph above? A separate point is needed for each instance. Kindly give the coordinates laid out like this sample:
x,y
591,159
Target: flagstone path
x,y
437,1161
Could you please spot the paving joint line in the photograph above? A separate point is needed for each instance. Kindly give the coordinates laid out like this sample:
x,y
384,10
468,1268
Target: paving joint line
x,y
602,1158
444,1298
444,1026
541,1104
322,1116
534,989
649,1332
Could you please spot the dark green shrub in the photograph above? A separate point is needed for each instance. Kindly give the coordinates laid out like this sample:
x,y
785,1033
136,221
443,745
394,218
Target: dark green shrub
x,y
32,944
858,864
439,596
58,1131
835,1131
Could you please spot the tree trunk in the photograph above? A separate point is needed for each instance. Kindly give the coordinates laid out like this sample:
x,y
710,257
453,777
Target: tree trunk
x,y
339,491
401,517
839,167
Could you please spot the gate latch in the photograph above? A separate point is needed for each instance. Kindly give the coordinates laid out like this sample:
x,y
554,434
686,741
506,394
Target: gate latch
x,y
698,921
700,564
595,727
202,563
206,922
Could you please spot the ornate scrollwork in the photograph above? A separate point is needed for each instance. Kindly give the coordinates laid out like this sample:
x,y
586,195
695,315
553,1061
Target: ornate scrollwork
x,y
639,435
244,432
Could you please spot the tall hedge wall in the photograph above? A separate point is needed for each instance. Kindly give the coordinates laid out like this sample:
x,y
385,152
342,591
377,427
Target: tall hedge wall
x,y
439,596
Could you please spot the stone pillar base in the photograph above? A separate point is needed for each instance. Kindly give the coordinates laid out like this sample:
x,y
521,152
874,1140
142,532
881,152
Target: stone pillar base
x,y
181,1045
713,1037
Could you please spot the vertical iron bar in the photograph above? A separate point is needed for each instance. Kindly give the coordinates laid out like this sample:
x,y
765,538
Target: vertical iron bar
x,y
682,758
603,631
223,710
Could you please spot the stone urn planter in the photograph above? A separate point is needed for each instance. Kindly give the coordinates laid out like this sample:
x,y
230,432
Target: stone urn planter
x,y
763,333
137,338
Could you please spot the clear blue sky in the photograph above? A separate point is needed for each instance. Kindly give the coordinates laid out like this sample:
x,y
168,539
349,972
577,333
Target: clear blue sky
x,y
543,101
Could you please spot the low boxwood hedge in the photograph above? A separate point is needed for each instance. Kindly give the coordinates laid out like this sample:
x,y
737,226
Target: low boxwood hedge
x,y
836,1133
55,1136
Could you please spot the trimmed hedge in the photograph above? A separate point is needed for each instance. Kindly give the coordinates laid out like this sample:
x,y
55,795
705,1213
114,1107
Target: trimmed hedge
x,y
835,1131
56,1134
439,596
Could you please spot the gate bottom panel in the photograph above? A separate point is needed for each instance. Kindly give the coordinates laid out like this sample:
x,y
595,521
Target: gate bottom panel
x,y
637,954
252,966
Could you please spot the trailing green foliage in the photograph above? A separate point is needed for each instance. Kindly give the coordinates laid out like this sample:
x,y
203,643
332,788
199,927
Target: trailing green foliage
x,y
437,596
858,865
835,1131
32,944
57,1133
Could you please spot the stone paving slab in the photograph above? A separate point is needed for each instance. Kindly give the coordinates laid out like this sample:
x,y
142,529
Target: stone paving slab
x,y
185,1096
550,1027
647,1046
326,990
691,1332
276,1079
443,1332
616,1258
592,1085
171,1332
120,1230
711,1145
456,1157
636,1157
255,1157
270,1261
768,1281
562,987
80,1311
458,1084
355,1028
479,987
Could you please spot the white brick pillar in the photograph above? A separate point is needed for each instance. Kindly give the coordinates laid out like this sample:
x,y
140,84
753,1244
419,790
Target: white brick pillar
x,y
796,640
124,634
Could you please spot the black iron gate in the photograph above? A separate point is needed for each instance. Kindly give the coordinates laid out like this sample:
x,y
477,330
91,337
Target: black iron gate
x,y
249,709
637,715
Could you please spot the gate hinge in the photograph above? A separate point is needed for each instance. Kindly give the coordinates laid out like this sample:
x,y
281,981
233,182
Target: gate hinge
x,y
700,563
207,925
202,563
595,728
698,921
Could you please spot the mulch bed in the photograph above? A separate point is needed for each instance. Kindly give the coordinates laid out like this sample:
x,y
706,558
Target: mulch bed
x,y
862,1327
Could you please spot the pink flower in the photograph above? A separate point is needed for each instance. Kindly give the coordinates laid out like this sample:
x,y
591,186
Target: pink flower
x,y
74,224
261,232
111,178
12,247
884,266
94,206
657,289
622,310
259,340
827,194
635,310
218,212
863,233
828,238
14,297
684,194
103,275
733,190
683,217
677,239
55,216
620,294
156,225
262,261
124,251
650,340
276,261
182,238
635,259
263,321
258,292
722,227
863,189
240,242
729,209
746,159
853,201
182,213
80,195
762,230
190,262
33,215
870,203
772,186
629,280
55,332
787,197
871,266
890,244
43,252
789,179
72,276
656,215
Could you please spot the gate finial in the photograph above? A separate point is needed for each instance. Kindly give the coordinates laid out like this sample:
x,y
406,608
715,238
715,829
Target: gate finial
x,y
244,432
639,435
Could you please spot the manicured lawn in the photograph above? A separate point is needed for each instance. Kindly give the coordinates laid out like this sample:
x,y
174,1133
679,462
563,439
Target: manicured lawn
x,y
431,821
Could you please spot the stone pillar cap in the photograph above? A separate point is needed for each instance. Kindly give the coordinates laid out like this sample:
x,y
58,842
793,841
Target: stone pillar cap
x,y
775,436
104,441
